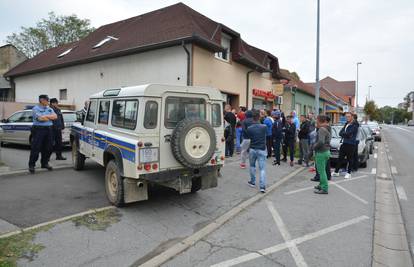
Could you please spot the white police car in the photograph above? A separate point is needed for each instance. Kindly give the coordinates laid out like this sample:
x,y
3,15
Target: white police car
x,y
16,129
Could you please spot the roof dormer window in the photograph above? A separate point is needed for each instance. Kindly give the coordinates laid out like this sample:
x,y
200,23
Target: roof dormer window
x,y
104,41
65,52
225,43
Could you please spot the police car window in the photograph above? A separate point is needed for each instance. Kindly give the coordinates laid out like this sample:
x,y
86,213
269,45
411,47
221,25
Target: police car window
x,y
178,108
151,115
216,115
26,117
91,111
124,113
103,116
69,117
15,117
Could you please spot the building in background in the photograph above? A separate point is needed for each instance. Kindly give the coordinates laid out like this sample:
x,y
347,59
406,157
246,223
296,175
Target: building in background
x,y
174,45
342,89
10,57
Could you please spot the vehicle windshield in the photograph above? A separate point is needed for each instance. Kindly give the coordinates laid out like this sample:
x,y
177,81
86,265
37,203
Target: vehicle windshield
x,y
336,129
69,117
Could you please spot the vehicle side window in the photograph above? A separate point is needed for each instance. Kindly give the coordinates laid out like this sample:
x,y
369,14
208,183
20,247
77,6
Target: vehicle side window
x,y
103,114
27,116
179,108
15,117
91,111
216,115
151,115
124,114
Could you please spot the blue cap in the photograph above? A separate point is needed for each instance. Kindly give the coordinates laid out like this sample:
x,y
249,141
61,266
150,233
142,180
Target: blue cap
x,y
275,113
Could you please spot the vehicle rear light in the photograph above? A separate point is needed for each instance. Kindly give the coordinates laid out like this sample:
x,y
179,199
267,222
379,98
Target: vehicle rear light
x,y
147,167
213,161
154,166
140,144
139,167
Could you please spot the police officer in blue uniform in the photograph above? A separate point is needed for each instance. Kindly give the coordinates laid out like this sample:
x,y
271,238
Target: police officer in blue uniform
x,y
42,136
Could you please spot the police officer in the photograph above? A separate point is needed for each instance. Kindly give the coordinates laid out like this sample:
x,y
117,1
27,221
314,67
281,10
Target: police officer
x,y
58,126
42,139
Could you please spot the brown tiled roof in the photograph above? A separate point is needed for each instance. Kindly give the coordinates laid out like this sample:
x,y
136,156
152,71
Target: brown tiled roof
x,y
339,88
164,27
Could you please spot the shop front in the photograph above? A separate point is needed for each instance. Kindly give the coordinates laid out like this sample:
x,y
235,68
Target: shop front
x,y
263,99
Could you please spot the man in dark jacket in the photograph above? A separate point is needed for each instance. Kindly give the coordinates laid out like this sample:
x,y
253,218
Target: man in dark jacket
x,y
303,136
349,134
356,159
231,119
58,126
246,139
290,138
277,135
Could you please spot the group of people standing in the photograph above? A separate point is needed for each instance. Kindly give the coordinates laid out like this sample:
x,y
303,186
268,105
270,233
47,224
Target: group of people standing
x,y
263,134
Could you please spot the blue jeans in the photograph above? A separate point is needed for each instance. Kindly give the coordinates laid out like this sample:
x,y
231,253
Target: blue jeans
x,y
260,156
239,139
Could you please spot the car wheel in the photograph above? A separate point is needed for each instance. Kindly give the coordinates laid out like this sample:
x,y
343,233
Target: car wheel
x,y
78,159
114,186
193,143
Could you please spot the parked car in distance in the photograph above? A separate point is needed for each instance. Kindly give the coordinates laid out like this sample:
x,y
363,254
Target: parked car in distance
x,y
336,142
370,137
410,123
16,129
376,130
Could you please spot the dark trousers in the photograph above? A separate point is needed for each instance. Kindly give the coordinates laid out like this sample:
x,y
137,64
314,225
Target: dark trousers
x,y
229,148
347,150
355,166
269,141
276,148
57,142
289,145
327,170
42,140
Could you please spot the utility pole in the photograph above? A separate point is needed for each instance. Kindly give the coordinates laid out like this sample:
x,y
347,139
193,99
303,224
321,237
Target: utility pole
x,y
356,94
369,93
317,83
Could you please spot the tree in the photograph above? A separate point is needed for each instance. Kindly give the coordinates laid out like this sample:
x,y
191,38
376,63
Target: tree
x,y
50,32
370,110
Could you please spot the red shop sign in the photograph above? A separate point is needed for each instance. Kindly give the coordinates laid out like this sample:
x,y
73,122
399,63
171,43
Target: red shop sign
x,y
263,93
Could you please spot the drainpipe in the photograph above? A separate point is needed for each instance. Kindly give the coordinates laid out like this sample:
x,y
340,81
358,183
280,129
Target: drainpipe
x,y
189,82
247,87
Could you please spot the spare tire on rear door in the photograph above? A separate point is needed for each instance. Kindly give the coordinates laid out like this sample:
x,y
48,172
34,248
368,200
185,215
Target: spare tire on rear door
x,y
193,142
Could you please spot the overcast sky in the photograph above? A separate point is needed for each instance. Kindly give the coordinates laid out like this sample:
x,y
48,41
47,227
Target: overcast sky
x,y
378,33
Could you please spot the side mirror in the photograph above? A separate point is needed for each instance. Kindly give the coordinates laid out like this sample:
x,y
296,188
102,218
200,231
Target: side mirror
x,y
80,116
4,120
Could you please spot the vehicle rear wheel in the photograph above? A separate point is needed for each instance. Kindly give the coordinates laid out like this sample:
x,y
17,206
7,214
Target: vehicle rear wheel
x,y
78,159
114,186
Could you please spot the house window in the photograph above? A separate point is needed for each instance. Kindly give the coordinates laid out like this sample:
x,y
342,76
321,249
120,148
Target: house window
x,y
297,108
63,94
225,43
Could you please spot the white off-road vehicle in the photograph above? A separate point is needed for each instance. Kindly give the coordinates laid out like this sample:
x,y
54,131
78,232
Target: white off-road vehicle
x,y
152,134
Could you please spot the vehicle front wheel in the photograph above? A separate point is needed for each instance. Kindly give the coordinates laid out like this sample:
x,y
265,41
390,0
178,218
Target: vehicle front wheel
x,y
78,159
114,184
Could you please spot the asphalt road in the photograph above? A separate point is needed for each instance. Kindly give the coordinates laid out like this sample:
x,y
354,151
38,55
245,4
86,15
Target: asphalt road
x,y
400,144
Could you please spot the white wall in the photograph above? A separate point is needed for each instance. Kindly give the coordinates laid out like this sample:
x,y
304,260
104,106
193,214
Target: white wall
x,y
158,66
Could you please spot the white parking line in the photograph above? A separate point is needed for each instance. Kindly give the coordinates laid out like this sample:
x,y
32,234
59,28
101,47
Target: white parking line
x,y
334,183
293,249
375,155
260,253
351,194
374,171
394,170
401,192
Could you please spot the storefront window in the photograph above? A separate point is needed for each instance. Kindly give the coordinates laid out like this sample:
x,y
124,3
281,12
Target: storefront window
x,y
262,104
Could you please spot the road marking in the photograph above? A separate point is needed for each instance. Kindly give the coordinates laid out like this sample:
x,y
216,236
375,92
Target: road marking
x,y
389,157
403,129
394,170
375,155
383,175
189,241
374,171
293,249
401,192
351,194
260,253
338,182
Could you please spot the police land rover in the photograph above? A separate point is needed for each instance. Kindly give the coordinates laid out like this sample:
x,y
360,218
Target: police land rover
x,y
152,134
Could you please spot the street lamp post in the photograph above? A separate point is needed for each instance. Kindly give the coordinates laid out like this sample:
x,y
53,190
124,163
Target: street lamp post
x,y
356,94
369,93
317,84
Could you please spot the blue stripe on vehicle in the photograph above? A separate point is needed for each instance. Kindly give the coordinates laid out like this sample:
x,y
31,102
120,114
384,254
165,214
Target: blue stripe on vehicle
x,y
16,127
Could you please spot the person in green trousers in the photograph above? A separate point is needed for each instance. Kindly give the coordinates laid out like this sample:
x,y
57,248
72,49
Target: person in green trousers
x,y
322,152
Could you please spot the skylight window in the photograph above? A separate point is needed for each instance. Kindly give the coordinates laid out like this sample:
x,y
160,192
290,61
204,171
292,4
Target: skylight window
x,y
107,39
65,53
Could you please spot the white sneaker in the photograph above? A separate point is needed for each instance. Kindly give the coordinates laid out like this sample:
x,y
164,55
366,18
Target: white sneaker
x,y
335,174
347,175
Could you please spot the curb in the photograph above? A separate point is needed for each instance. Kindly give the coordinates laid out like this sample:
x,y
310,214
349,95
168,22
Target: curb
x,y
19,172
63,219
189,241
